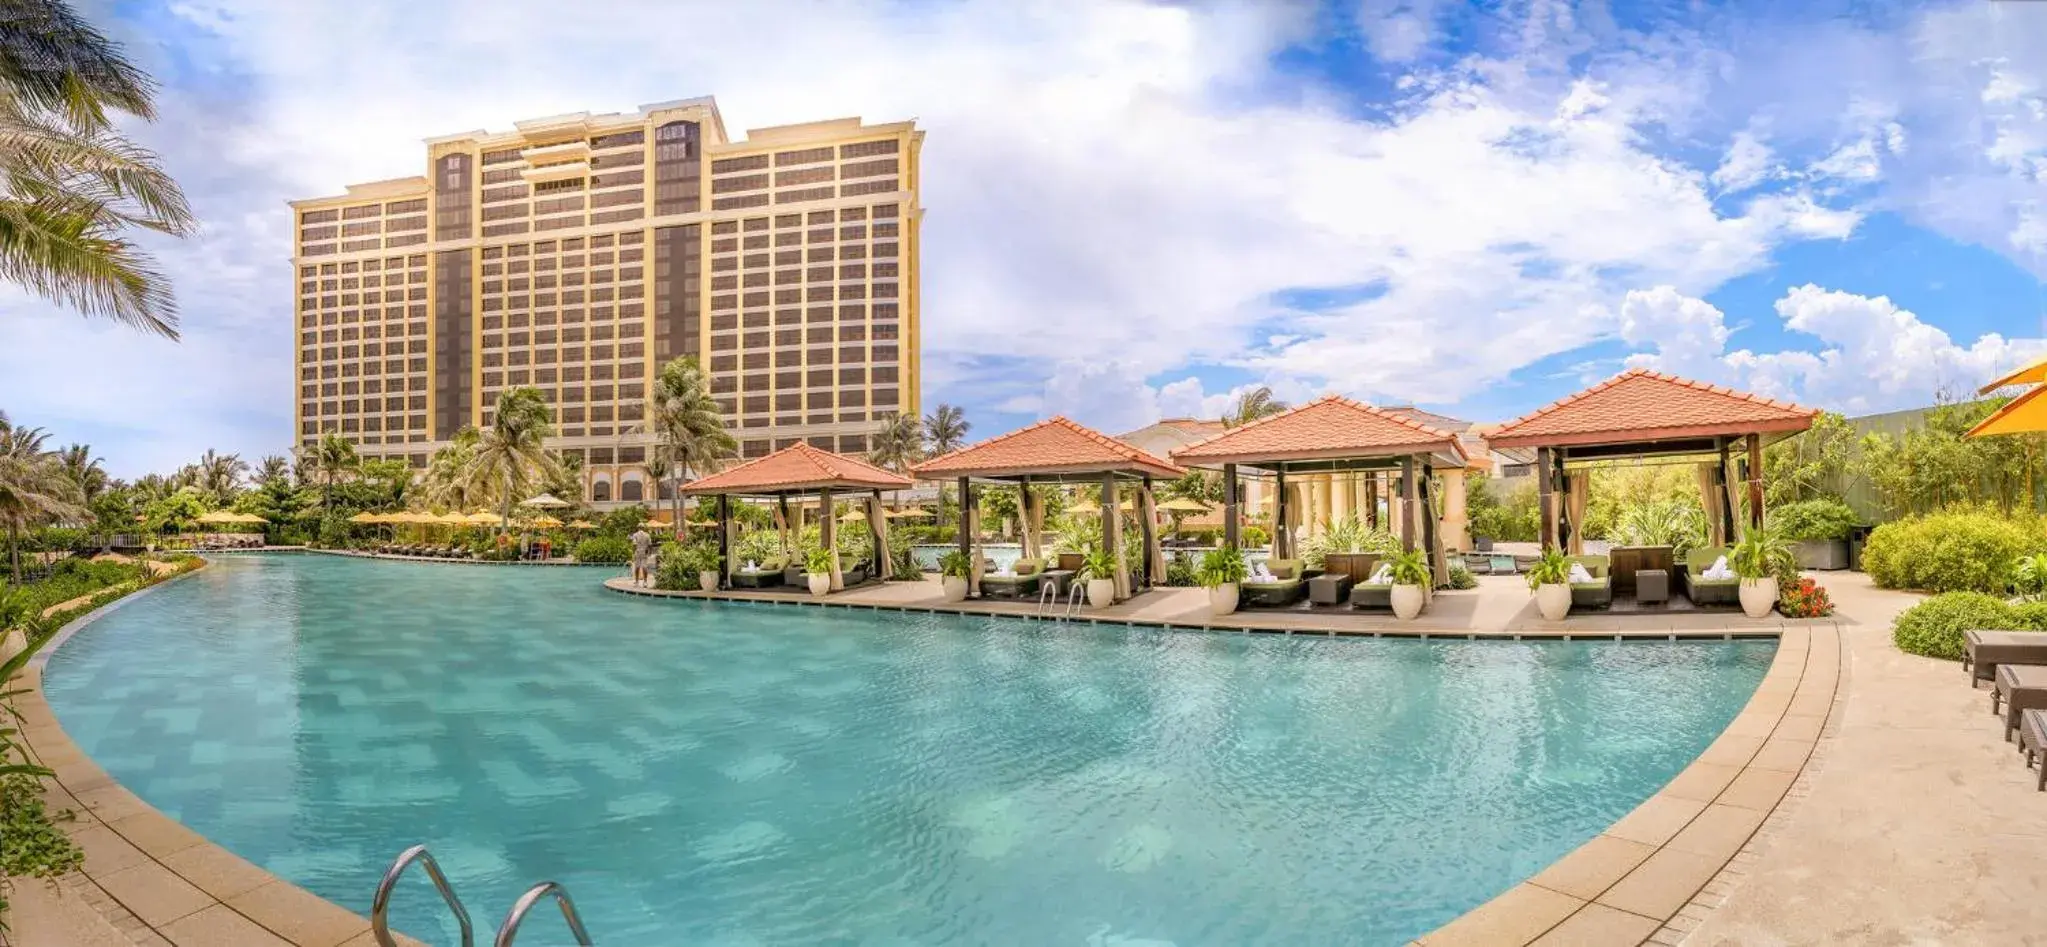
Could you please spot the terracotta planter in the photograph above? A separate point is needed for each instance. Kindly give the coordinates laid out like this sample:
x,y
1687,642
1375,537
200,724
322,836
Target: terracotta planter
x,y
1222,599
1758,597
707,581
1101,593
1409,599
1553,600
820,583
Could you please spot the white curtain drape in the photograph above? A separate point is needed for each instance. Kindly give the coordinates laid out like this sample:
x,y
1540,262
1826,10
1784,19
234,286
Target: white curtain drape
x,y
1575,501
1709,500
1110,503
828,525
974,534
1032,509
1154,557
878,523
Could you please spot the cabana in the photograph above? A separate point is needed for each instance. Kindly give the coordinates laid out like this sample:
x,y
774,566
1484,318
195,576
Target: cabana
x,y
1056,451
1645,415
801,470
1336,435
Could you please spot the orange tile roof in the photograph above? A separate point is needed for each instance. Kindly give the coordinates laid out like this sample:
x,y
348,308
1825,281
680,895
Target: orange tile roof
x,y
799,468
1639,406
1329,428
1052,446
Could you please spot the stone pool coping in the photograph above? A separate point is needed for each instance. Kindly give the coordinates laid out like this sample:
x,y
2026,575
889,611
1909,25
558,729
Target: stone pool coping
x,y
154,880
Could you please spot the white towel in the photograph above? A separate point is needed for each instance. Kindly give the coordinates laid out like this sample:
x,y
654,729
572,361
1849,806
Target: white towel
x,y
1580,574
1381,576
1718,570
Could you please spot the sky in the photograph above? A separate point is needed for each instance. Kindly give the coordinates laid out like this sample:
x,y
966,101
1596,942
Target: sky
x,y
1137,210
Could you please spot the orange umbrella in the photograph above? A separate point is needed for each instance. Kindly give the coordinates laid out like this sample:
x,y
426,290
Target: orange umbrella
x,y
2025,414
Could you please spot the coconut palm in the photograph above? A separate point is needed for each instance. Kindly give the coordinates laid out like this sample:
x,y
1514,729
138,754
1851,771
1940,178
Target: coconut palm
x,y
273,467
512,453
689,430
219,475
945,430
33,490
898,444
1257,403
333,458
446,482
71,187
84,471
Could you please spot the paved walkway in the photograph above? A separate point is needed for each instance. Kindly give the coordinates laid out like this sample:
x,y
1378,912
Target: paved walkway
x,y
1921,826
1500,606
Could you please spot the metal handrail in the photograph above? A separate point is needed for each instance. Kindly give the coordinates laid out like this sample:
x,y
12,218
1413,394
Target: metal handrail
x,y
510,928
1048,595
380,906
1074,596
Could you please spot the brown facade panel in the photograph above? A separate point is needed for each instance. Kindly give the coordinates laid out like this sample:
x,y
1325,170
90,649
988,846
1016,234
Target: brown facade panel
x,y
454,345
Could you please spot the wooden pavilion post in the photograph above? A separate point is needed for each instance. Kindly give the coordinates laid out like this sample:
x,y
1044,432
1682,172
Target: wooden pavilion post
x,y
724,540
1547,503
1372,491
1112,524
1755,481
1149,535
1407,503
1726,495
966,536
1439,570
828,535
874,531
1231,502
1279,512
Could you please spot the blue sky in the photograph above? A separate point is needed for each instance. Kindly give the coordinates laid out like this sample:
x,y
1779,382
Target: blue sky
x,y
1138,209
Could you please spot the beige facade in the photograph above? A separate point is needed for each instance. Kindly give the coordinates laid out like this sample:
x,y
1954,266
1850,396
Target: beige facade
x,y
576,254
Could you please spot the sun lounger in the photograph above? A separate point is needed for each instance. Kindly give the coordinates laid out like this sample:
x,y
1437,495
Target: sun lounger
x,y
1285,588
2033,743
1023,582
768,576
1597,593
1984,651
1704,591
2019,687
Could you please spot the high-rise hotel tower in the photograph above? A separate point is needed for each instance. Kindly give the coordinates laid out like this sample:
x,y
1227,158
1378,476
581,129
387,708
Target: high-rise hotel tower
x,y
577,254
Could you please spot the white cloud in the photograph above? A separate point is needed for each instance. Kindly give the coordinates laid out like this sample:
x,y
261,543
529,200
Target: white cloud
x,y
1871,355
1398,30
1748,163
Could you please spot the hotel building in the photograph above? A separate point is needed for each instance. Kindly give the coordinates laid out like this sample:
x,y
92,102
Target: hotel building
x,y
577,254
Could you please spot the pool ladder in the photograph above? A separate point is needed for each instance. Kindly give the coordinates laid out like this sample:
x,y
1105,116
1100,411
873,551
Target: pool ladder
x,y
380,906
1048,596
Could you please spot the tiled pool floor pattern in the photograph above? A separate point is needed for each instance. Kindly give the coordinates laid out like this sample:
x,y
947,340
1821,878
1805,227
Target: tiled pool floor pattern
x,y
708,773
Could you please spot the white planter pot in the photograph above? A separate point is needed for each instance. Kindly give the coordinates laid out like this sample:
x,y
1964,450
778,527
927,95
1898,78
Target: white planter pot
x,y
955,588
1101,593
1222,599
1758,597
1553,600
1409,599
707,581
820,583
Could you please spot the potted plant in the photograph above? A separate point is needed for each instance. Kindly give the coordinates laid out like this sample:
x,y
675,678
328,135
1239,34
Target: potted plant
x,y
705,560
1756,560
1222,568
1550,580
1816,530
1100,571
818,568
1411,581
955,567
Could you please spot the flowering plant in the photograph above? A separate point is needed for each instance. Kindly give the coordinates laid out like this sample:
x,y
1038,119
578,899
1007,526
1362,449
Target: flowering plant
x,y
1806,600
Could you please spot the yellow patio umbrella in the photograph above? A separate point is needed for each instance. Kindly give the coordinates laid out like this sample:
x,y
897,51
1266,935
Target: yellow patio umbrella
x,y
545,501
1090,507
249,518
2025,414
547,522
652,523
852,516
451,518
364,518
217,517
1184,505
582,524
915,512
480,518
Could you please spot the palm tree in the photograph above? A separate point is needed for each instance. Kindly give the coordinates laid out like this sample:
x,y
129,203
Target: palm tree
x,y
71,186
946,430
33,489
84,471
512,452
446,482
898,444
273,467
220,474
334,457
689,430
1252,405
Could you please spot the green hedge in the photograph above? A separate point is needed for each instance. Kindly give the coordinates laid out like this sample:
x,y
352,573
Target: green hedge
x,y
1948,552
1934,627
1821,519
606,549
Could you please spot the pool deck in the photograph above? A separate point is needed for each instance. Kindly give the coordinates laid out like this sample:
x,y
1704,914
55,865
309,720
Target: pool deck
x,y
1845,804
1499,607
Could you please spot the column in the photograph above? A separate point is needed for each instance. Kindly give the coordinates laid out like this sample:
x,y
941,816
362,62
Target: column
x,y
1232,505
1456,522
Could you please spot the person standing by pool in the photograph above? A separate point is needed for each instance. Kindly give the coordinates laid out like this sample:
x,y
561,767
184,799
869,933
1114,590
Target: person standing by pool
x,y
641,543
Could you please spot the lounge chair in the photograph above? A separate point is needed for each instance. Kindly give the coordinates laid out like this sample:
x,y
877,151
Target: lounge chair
x,y
850,572
2019,687
1708,592
1597,593
1027,573
1983,651
769,576
1286,587
2033,743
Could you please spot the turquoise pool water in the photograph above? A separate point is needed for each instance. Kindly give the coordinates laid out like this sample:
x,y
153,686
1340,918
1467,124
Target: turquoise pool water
x,y
704,773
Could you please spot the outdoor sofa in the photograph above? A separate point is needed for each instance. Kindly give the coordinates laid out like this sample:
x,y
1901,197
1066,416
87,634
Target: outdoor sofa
x,y
1597,593
1026,574
1287,586
770,575
1708,592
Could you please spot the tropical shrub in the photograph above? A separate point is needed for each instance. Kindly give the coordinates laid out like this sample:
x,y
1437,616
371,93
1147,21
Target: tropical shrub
x,y
1825,519
1503,513
1551,568
1948,552
1346,534
1223,565
1679,524
955,564
1461,577
1805,600
1097,564
2029,576
1255,536
1761,554
818,561
604,549
757,546
1409,568
680,565
1934,627
1181,572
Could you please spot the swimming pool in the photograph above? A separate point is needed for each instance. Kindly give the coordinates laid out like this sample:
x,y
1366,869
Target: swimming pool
x,y
714,773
